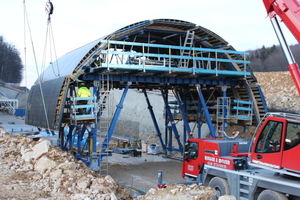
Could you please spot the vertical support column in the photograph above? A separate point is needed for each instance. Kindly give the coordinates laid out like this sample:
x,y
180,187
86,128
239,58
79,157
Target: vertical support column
x,y
79,138
199,121
166,122
71,128
158,133
115,118
174,128
61,138
206,113
183,112
224,120
184,107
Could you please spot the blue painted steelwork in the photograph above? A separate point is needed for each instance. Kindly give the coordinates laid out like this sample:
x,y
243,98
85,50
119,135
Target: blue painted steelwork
x,y
199,121
153,68
114,121
177,47
224,89
263,99
169,80
183,113
79,66
206,112
158,133
173,125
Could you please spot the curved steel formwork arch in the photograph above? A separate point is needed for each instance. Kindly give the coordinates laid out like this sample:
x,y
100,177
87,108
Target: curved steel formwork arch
x,y
198,65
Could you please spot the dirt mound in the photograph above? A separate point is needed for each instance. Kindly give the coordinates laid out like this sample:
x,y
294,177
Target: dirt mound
x,y
279,90
37,170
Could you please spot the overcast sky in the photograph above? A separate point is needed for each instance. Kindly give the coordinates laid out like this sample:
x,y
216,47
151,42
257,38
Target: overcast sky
x,y
242,23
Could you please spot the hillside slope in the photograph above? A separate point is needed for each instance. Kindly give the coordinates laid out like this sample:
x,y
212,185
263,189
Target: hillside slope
x,y
279,90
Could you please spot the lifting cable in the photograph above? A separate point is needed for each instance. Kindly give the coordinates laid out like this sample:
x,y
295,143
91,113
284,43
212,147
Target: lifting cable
x,y
49,10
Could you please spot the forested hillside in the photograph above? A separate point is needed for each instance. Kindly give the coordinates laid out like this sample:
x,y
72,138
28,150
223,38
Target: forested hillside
x,y
10,63
268,59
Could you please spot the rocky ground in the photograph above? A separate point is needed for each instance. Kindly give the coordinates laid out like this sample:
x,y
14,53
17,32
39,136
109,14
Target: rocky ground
x,y
37,170
279,90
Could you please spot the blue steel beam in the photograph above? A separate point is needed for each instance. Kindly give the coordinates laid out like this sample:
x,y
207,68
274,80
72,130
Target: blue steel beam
x,y
183,113
169,80
115,119
199,121
153,68
206,113
174,47
158,133
70,137
173,124
169,56
224,89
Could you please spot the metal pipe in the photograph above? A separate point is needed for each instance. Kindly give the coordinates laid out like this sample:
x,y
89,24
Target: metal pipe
x,y
293,66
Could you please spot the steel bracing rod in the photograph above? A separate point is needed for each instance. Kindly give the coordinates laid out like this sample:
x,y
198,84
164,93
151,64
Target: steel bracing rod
x,y
94,130
224,89
80,134
174,128
199,121
293,66
115,118
183,112
206,113
158,133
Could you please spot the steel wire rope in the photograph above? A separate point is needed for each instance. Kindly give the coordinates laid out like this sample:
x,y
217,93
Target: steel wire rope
x,y
54,49
25,55
36,66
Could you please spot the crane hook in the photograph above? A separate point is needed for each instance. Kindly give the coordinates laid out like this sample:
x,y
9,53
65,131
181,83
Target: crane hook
x,y
49,9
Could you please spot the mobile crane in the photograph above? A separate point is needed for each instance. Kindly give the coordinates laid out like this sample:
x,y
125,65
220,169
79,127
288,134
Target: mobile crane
x,y
267,166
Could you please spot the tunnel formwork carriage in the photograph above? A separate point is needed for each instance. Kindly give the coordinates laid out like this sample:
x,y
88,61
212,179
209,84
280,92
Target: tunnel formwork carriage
x,y
210,80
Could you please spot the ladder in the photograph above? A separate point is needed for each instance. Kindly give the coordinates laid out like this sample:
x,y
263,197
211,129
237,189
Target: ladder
x,y
244,187
222,113
105,116
188,42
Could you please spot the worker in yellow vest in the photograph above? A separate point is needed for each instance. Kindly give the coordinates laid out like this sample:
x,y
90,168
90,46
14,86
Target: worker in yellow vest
x,y
83,91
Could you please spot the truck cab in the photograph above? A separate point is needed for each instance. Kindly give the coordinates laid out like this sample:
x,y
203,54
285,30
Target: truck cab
x,y
276,144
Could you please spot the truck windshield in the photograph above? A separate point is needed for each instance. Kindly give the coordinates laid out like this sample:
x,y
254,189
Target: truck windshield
x,y
191,150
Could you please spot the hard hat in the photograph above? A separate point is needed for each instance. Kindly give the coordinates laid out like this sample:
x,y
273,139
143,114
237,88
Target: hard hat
x,y
82,84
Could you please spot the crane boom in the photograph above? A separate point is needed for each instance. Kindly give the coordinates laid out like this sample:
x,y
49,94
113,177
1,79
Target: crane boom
x,y
289,13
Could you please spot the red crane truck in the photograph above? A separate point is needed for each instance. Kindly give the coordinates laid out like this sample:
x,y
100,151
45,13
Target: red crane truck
x,y
268,166
264,168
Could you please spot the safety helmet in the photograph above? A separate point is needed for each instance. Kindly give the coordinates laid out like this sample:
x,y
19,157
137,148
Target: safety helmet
x,y
82,84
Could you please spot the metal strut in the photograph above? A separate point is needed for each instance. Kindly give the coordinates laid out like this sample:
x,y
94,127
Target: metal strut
x,y
206,113
114,121
174,128
183,112
158,133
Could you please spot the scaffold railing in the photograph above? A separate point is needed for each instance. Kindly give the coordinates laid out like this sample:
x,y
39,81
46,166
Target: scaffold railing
x,y
146,60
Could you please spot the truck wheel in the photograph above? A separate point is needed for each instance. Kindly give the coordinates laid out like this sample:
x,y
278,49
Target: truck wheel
x,y
270,194
220,185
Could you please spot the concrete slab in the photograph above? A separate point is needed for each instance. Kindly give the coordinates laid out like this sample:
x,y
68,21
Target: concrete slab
x,y
14,124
